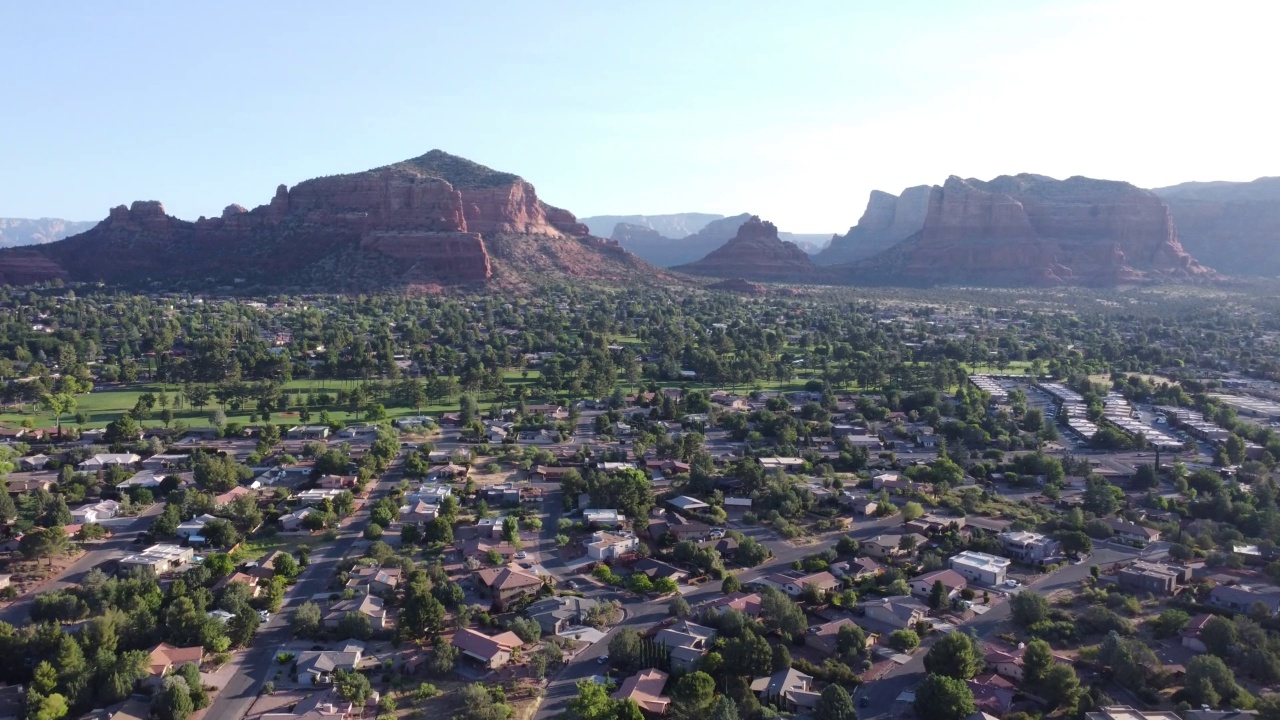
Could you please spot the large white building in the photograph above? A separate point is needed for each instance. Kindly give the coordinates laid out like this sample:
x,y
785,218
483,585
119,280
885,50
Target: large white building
x,y
980,568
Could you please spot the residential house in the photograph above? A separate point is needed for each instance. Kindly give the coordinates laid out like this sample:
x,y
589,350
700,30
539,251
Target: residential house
x,y
544,473
788,464
505,584
1028,547
370,606
559,613
378,580
737,506
293,521
899,611
307,432
165,462
598,517
165,657
1124,712
645,690
358,432
891,481
686,642
657,569
1132,533
27,485
195,526
33,462
824,637
930,524
418,513
1243,598
747,604
980,568
1158,578
954,582
609,546
144,479
448,473
229,496
315,496
857,568
887,547
1191,633
316,706
103,461
794,583
320,665
992,694
482,546
1004,662
859,505
336,482
95,512
687,504
491,651
788,688
250,581
541,437
158,559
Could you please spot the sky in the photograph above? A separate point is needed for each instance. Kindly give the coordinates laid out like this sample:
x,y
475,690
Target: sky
x,y
793,111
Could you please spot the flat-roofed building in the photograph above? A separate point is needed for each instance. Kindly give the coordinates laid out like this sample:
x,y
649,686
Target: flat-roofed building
x,y
980,568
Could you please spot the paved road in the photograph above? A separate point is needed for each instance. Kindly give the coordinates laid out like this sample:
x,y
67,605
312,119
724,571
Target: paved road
x,y
254,666
124,531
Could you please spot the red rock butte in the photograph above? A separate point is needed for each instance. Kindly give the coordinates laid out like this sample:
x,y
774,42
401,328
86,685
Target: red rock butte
x,y
1035,230
755,253
433,219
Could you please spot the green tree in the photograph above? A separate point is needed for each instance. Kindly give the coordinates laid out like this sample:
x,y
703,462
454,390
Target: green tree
x,y
352,686
834,704
242,627
1219,635
1060,686
51,707
625,648
912,511
1028,608
730,584
940,697
692,696
306,620
592,702
938,598
904,640
956,655
173,702
1036,661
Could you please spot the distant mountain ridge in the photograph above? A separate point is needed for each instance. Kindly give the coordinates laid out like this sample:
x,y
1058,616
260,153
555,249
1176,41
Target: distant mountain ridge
x,y
1231,226
755,252
674,225
16,232
645,240
433,220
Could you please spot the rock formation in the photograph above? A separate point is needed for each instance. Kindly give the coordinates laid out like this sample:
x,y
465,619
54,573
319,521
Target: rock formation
x,y
675,225
435,219
1034,230
1233,227
755,253
888,219
648,242
15,232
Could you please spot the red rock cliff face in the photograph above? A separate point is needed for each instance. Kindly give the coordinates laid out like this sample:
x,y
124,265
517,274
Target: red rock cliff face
x,y
888,219
432,218
1232,226
1034,230
755,253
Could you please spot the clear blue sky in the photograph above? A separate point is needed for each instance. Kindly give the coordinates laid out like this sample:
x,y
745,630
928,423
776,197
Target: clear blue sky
x,y
793,111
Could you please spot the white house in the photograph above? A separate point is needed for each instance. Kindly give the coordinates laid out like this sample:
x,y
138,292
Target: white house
x,y
601,517
105,460
980,568
316,496
194,526
96,512
610,545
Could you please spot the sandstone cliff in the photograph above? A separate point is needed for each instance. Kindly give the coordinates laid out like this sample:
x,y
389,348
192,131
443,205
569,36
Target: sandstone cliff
x,y
15,232
435,219
1034,230
755,253
888,219
1233,227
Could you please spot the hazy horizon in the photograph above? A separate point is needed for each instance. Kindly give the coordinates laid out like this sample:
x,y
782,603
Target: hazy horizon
x,y
794,113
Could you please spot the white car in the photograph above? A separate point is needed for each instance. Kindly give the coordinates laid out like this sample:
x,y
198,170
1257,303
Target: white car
x,y
521,555
264,616
1012,583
